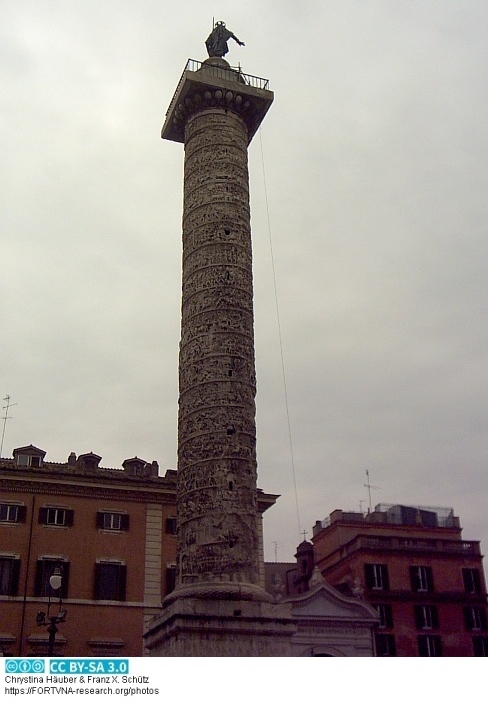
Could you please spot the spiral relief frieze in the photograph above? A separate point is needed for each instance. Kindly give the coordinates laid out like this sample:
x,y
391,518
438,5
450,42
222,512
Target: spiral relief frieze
x,y
217,527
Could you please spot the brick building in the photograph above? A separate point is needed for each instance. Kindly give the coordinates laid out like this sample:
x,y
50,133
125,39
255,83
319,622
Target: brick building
x,y
112,532
412,565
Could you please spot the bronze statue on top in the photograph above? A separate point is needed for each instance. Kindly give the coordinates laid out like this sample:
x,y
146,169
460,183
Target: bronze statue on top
x,y
217,40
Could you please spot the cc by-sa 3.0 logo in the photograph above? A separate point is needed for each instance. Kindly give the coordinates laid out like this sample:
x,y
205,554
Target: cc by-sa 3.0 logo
x,y
24,666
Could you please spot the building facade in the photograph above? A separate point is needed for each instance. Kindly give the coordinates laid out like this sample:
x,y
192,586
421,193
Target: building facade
x,y
111,533
426,583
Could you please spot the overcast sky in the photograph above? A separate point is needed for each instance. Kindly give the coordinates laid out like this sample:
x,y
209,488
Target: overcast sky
x,y
375,157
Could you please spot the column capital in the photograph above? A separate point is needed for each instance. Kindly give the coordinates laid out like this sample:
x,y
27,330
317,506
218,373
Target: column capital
x,y
215,84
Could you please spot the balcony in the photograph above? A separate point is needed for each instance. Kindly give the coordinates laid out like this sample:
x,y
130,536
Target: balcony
x,y
404,544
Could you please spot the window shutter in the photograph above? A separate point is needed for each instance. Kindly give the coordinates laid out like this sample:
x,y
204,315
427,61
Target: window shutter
x,y
64,565
369,575
435,617
122,581
468,617
124,522
476,581
422,644
170,579
97,581
384,576
42,517
170,525
14,577
39,575
419,617
99,520
414,579
430,579
389,616
21,513
69,517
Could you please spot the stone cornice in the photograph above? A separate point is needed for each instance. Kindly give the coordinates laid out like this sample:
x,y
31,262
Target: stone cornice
x,y
88,489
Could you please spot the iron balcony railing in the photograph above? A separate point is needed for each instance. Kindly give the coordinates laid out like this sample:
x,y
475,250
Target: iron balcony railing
x,y
230,73
465,548
220,72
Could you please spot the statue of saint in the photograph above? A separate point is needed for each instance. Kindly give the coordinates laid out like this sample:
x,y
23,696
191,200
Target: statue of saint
x,y
217,41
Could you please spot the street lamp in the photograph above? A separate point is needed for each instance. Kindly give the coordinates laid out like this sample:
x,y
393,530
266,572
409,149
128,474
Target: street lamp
x,y
43,619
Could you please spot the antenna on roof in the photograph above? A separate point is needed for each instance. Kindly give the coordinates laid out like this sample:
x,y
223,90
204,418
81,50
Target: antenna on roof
x,y
5,418
276,545
369,487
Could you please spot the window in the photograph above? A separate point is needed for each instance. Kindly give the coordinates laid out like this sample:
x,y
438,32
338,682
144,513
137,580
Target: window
x,y
376,577
429,646
9,575
475,617
110,580
10,512
480,646
386,615
385,646
421,579
56,516
472,581
112,521
170,578
44,570
426,617
171,526
28,460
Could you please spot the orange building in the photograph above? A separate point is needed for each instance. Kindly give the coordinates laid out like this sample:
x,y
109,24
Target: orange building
x,y
412,565
110,532
112,535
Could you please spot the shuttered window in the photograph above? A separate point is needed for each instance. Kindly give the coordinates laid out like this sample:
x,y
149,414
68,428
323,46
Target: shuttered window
x,y
475,618
110,581
421,579
9,576
385,646
472,581
56,516
112,521
426,617
10,512
430,646
376,576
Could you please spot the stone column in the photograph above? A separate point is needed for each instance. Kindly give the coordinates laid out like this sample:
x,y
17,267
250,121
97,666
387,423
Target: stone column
x,y
218,607
217,529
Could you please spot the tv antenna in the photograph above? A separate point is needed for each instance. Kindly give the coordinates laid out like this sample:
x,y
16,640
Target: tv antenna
x,y
369,487
5,418
276,545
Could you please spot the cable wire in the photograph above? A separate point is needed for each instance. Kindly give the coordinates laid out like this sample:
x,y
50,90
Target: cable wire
x,y
290,440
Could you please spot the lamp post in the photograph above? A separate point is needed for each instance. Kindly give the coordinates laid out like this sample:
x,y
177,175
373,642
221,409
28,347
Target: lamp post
x,y
51,621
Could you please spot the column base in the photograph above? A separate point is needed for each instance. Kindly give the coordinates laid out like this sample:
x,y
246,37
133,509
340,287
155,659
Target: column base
x,y
218,624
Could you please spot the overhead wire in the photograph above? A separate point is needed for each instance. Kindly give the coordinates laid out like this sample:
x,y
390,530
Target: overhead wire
x,y
283,373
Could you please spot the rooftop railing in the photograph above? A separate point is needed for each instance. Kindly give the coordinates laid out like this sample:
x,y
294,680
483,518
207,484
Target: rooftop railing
x,y
231,73
465,548
228,73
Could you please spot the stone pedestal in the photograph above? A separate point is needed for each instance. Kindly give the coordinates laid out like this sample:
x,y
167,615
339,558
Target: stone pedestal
x,y
221,621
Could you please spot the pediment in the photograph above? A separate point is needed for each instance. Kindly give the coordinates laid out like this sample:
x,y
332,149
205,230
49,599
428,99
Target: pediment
x,y
324,601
